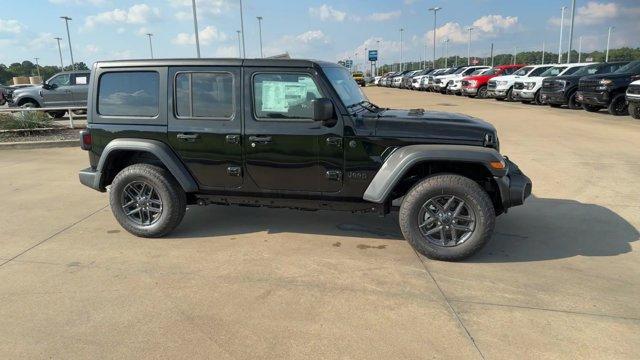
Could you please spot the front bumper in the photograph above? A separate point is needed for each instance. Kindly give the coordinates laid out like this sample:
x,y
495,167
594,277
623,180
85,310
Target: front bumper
x,y
553,97
497,93
469,91
527,95
593,98
91,177
515,187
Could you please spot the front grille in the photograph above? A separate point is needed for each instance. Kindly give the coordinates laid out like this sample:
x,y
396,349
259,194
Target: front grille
x,y
491,85
518,86
550,85
465,83
634,89
589,84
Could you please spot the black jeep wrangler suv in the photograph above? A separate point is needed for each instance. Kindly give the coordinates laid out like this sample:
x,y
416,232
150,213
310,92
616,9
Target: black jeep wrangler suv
x,y
608,90
562,90
165,134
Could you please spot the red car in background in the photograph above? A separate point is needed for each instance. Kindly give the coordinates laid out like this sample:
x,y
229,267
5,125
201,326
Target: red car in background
x,y
473,86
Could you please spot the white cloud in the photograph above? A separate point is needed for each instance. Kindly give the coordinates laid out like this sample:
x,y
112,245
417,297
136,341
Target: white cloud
x,y
387,50
206,36
205,8
11,26
300,45
327,13
591,14
384,16
227,51
136,14
312,36
484,27
492,24
41,41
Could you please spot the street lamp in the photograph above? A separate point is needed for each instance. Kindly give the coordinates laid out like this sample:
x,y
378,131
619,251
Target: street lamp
x,y
401,50
244,52
377,48
149,35
611,28
469,45
66,23
260,32
60,53
543,53
195,26
561,26
446,52
573,15
580,49
239,46
435,12
37,66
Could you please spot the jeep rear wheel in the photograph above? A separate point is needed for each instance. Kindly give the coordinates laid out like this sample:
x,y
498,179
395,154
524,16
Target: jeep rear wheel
x,y
146,200
447,217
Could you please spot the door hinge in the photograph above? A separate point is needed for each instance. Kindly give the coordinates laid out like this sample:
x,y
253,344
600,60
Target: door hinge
x,y
233,139
335,175
234,171
334,141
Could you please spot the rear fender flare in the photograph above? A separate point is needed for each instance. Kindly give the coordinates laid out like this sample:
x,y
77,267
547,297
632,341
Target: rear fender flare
x,y
404,158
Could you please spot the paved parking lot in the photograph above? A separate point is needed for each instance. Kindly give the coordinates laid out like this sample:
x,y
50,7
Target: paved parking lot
x,y
561,278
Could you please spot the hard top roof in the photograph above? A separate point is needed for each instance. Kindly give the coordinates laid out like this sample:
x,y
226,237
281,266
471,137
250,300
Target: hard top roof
x,y
301,63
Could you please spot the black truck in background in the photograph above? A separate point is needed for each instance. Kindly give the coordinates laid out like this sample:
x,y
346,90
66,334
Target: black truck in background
x,y
562,90
608,90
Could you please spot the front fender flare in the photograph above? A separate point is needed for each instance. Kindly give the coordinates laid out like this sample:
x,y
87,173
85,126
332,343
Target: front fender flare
x,y
159,150
402,159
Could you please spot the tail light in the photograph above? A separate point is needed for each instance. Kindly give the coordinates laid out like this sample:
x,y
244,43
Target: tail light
x,y
85,140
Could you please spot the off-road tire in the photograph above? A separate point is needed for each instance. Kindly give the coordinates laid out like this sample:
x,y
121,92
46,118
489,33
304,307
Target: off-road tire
x,y
590,108
617,106
634,110
174,201
447,184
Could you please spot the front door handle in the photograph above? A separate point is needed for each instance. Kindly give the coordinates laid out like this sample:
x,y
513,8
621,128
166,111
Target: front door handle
x,y
187,137
259,140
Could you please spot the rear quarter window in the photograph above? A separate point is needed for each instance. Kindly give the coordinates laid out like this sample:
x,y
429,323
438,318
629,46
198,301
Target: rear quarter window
x,y
128,93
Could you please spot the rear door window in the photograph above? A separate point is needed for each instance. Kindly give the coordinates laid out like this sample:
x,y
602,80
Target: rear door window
x,y
128,93
204,95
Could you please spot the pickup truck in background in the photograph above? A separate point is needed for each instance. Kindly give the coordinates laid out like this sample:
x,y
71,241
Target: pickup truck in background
x,y
633,99
608,91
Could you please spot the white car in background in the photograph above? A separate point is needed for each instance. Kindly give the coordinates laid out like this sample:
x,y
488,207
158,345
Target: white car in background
x,y
443,81
528,90
455,87
501,87
376,79
416,82
428,81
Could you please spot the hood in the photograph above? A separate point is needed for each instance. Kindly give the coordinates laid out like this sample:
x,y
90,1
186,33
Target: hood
x,y
508,77
612,76
436,126
480,77
30,89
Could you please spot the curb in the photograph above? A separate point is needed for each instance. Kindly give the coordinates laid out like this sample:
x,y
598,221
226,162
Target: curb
x,y
39,144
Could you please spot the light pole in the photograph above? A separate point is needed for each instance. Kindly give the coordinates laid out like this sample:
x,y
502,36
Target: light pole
x,y
580,49
446,52
378,48
60,53
491,54
66,23
435,12
364,60
37,66
573,15
401,50
515,54
260,32
469,29
611,28
561,26
195,26
543,53
239,45
149,35
244,52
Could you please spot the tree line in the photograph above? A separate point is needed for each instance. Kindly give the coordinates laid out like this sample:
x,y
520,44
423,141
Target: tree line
x,y
524,57
27,68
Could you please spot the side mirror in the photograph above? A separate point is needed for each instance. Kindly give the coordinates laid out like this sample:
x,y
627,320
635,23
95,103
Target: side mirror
x,y
322,109
46,86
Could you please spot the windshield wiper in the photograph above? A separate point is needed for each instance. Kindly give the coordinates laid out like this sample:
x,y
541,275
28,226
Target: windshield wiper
x,y
366,104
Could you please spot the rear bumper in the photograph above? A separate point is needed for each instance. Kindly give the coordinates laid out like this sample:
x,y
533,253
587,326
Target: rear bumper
x,y
91,177
515,187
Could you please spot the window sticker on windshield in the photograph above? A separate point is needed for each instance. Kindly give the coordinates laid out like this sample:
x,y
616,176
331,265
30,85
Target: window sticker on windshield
x,y
278,96
81,80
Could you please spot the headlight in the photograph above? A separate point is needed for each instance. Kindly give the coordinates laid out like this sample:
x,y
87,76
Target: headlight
x,y
529,85
561,83
473,83
501,83
606,82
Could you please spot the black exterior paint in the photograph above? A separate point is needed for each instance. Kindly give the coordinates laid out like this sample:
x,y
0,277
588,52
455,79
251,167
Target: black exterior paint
x,y
322,162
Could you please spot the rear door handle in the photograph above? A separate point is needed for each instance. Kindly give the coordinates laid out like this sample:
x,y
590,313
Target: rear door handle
x,y
259,140
187,137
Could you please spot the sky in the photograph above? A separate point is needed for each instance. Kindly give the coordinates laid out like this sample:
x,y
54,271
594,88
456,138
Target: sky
x,y
320,29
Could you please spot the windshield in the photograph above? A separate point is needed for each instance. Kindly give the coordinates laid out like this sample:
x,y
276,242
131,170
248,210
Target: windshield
x,y
554,71
345,86
631,67
490,71
587,70
460,71
523,71
572,70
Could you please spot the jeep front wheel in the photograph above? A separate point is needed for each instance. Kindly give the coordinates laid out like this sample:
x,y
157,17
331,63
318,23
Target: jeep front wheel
x,y
146,200
447,217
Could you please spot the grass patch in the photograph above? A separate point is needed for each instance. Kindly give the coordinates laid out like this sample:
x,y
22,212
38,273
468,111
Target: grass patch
x,y
25,120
